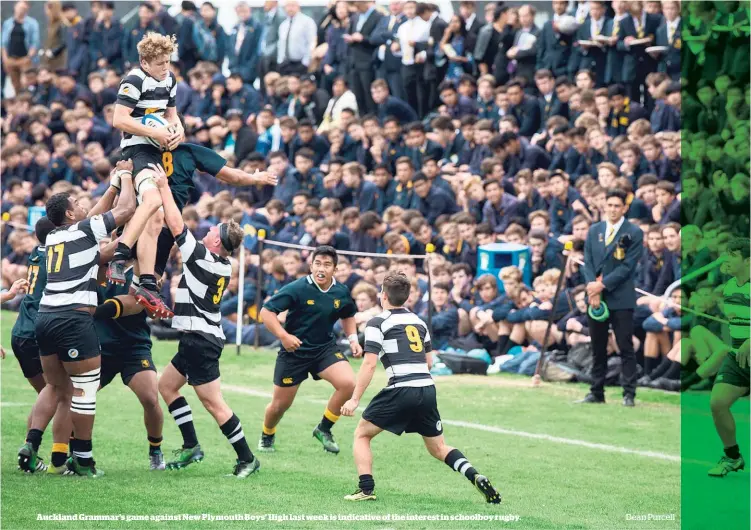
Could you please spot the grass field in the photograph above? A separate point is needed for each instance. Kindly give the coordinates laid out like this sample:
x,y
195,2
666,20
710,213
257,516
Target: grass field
x,y
558,465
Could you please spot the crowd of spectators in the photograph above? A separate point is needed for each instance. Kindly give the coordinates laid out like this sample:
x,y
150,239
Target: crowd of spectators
x,y
391,128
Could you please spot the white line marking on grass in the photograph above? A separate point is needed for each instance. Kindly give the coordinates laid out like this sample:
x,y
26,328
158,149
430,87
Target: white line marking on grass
x,y
498,430
14,404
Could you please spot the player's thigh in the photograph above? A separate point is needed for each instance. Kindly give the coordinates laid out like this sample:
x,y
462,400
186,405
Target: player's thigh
x,y
70,335
332,366
111,366
426,420
139,373
725,394
703,337
26,352
291,370
55,373
209,393
172,378
732,375
164,245
392,409
283,396
365,429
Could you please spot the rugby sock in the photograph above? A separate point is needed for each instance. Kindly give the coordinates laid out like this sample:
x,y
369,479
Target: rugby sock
x,y
328,420
673,371
233,430
268,431
367,484
180,410
456,461
35,438
689,380
155,444
59,454
111,308
650,363
148,281
122,252
502,343
82,451
733,452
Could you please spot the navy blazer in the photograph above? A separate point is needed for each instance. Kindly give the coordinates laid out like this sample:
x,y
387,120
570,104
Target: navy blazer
x,y
245,62
618,275
553,50
670,63
382,36
637,62
591,58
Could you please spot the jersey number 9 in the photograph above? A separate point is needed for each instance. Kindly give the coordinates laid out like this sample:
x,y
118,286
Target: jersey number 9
x,y
413,336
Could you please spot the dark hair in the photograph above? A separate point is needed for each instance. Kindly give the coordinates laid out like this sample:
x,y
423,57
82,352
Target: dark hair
x,y
396,287
442,286
616,193
740,244
616,90
43,227
326,250
306,152
369,220
14,183
446,85
56,207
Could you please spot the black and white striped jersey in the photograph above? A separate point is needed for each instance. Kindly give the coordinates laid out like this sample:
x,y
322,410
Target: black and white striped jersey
x,y
401,339
73,264
145,95
199,293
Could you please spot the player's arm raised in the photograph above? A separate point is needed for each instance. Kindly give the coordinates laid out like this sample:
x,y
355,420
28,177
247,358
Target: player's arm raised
x,y
172,216
108,199
126,207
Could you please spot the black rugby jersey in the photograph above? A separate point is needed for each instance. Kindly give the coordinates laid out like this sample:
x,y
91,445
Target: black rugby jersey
x,y
145,95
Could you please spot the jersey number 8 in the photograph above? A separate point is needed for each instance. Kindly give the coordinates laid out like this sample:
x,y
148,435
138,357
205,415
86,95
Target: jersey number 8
x,y
413,336
169,168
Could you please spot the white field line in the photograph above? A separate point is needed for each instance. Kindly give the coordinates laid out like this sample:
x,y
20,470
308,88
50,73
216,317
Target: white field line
x,y
489,428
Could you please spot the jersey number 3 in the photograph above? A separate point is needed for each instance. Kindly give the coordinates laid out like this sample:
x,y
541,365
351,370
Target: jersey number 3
x,y
169,168
220,290
51,251
413,336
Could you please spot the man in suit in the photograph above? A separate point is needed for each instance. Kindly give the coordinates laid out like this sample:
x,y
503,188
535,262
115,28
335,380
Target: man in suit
x,y
432,75
273,16
243,45
472,23
638,63
525,58
554,48
389,65
669,34
592,58
361,50
611,255
616,50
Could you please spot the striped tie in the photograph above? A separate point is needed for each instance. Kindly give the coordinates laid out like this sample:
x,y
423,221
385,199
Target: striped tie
x,y
610,236
639,30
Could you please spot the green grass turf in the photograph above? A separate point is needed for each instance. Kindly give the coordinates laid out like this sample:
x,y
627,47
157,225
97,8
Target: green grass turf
x,y
547,483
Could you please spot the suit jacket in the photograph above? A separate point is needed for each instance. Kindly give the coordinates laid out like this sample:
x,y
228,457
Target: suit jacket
x,y
670,63
272,32
430,71
615,263
526,60
591,58
245,62
637,63
554,50
527,113
361,53
473,32
382,36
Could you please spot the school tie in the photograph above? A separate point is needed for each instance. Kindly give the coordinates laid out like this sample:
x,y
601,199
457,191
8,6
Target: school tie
x,y
596,29
610,235
639,29
671,32
616,27
240,37
392,21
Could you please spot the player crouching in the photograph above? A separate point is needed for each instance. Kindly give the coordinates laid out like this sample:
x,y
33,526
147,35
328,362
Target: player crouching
x,y
206,273
408,403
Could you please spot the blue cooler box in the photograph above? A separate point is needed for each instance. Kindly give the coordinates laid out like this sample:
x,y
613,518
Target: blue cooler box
x,y
495,256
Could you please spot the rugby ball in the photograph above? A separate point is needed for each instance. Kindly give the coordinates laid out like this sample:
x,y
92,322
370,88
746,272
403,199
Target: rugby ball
x,y
567,24
155,121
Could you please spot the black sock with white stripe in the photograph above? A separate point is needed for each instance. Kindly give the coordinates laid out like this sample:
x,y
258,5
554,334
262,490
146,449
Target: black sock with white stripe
x,y
456,461
122,252
148,281
180,410
233,430
81,449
